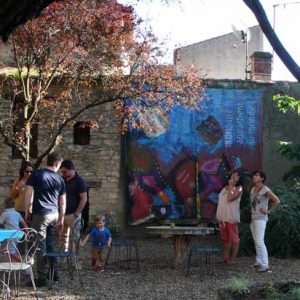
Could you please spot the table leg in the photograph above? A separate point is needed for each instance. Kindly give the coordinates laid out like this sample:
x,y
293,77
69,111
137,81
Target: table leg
x,y
180,245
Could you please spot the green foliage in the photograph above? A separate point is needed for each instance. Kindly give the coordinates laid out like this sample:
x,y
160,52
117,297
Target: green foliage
x,y
239,286
292,178
246,240
271,292
289,150
295,293
283,228
287,103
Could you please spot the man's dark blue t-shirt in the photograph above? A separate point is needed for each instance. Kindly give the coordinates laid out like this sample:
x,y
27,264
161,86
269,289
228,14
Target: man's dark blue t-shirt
x,y
74,187
48,186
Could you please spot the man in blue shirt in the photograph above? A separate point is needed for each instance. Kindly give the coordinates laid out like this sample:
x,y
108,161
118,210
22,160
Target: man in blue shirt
x,y
76,190
48,208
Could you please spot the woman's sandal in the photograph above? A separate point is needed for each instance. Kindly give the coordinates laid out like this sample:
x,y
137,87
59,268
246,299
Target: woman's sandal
x,y
99,269
222,262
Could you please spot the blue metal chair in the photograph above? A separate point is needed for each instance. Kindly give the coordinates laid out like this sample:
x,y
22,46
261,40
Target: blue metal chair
x,y
123,254
207,246
70,255
124,250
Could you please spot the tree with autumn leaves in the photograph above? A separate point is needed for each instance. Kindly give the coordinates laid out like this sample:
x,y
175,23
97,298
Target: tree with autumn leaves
x,y
79,55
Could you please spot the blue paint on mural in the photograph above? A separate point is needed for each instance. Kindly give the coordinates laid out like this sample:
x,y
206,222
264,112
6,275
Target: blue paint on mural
x,y
186,153
232,110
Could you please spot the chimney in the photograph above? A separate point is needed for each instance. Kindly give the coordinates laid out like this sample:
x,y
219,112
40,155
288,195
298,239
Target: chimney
x,y
261,66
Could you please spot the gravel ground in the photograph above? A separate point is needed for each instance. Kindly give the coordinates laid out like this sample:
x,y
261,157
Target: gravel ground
x,y
158,279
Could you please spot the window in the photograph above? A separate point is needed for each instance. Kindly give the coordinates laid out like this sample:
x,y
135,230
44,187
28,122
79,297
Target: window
x,y
81,133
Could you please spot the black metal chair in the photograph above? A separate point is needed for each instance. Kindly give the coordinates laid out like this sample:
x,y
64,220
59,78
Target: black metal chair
x,y
112,225
124,250
70,255
206,246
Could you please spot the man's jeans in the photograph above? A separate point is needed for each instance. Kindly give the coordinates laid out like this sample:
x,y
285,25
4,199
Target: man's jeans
x,y
44,225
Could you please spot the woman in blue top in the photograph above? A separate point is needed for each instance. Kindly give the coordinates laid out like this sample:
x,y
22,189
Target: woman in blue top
x,y
101,238
260,196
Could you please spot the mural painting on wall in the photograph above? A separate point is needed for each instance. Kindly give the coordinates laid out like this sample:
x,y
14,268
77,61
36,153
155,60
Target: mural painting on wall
x,y
177,164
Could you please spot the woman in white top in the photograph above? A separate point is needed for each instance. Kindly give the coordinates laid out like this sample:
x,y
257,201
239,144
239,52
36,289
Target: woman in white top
x,y
228,216
260,196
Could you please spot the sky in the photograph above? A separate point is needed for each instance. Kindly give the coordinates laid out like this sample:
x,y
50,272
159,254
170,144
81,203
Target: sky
x,y
184,22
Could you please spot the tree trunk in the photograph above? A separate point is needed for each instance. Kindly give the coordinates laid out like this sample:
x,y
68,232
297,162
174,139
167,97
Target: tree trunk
x,y
260,15
26,152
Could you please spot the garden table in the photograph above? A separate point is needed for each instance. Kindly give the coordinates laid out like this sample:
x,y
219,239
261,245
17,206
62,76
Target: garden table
x,y
181,235
5,234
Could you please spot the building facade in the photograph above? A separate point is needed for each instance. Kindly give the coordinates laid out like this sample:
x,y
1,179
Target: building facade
x,y
222,57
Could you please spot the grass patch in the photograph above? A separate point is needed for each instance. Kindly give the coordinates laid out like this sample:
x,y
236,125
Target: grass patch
x,y
239,286
295,293
271,292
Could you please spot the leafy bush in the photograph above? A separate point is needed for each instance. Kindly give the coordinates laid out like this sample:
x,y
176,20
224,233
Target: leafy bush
x,y
289,150
271,292
246,240
283,228
295,293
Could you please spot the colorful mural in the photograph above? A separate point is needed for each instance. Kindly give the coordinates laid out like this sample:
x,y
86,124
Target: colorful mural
x,y
177,164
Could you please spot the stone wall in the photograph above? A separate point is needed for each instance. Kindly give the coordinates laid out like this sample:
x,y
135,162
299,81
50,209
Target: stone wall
x,y
6,56
98,163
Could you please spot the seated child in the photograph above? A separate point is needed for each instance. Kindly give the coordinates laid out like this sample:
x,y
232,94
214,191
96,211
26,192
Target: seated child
x,y
101,238
11,219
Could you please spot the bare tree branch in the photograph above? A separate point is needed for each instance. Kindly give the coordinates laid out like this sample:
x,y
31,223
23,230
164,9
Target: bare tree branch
x,y
258,10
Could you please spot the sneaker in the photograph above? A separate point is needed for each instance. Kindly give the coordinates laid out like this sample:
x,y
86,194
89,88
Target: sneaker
x,y
38,283
257,265
262,269
99,269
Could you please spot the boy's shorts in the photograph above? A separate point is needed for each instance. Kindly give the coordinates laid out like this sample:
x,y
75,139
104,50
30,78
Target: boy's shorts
x,y
229,233
99,254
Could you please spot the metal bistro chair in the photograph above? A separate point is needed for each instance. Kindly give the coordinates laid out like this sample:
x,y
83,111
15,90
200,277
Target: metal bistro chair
x,y
124,250
207,245
5,293
70,255
18,254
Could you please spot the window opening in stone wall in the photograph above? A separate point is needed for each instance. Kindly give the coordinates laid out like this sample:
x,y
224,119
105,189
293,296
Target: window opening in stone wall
x,y
81,133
